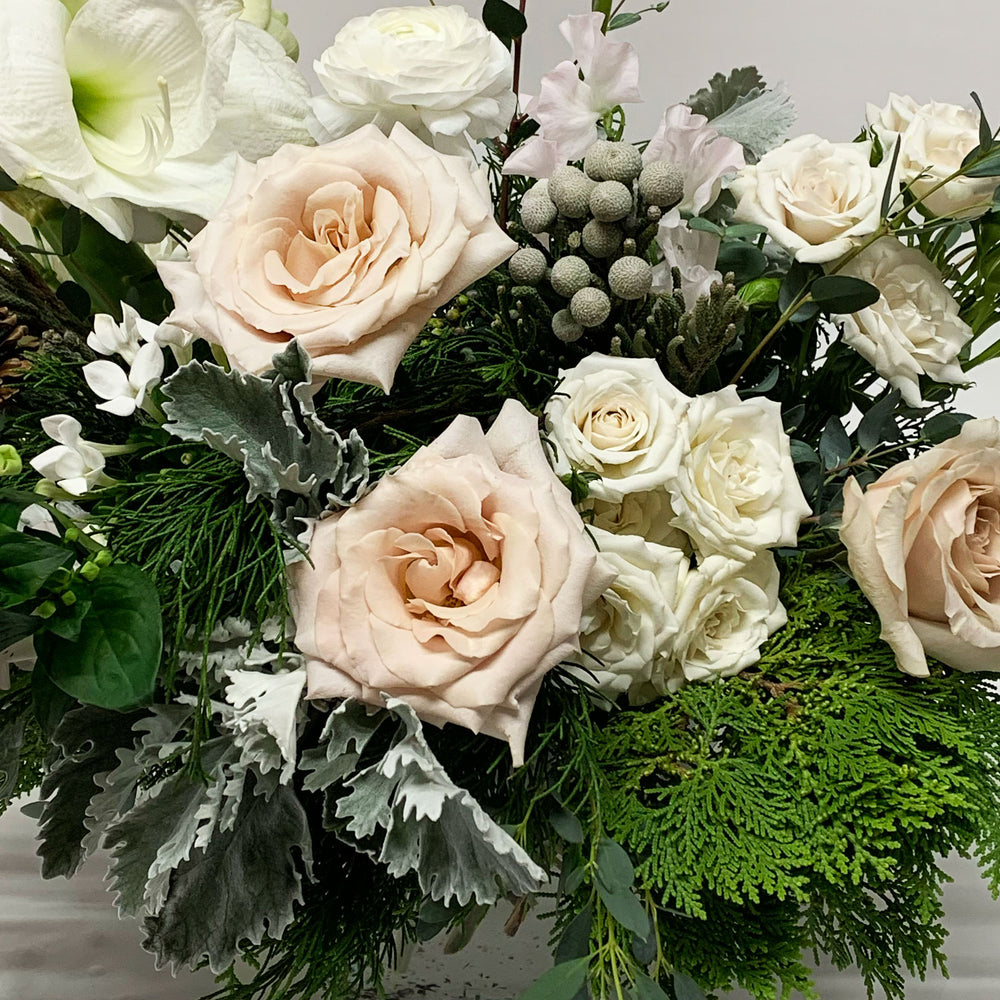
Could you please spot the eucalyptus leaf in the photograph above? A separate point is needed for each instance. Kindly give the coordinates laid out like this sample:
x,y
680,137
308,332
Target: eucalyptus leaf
x,y
114,662
575,939
943,426
834,444
561,982
646,989
685,988
624,20
566,824
614,867
745,260
624,906
839,293
879,422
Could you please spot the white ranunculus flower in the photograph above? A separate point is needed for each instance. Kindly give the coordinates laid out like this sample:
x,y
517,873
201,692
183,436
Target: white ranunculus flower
x,y
619,418
435,69
736,492
933,140
627,629
914,329
726,610
815,197
72,464
116,104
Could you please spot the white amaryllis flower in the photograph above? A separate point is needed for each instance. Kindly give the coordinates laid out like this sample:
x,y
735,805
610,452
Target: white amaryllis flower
x,y
933,140
125,392
707,158
619,418
73,464
726,609
268,702
435,69
567,108
693,252
114,104
627,629
914,329
736,492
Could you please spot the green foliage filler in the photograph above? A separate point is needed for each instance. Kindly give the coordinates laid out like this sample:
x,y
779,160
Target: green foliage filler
x,y
806,803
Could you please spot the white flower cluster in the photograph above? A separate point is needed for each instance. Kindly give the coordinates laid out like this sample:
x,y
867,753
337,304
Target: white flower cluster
x,y
687,497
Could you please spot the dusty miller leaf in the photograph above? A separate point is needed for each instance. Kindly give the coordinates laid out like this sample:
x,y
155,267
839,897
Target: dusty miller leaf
x,y
243,884
268,424
427,824
724,91
344,737
760,120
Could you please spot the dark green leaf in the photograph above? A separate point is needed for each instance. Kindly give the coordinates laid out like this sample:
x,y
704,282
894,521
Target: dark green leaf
x,y
765,385
75,297
570,879
25,565
706,226
745,231
67,623
792,417
879,423
743,259
566,824
834,444
802,454
685,988
890,183
575,940
114,662
624,906
989,165
72,228
614,867
943,426
798,277
15,626
644,948
724,91
50,703
646,989
624,20
504,20
985,132
7,183
838,293
213,906
561,982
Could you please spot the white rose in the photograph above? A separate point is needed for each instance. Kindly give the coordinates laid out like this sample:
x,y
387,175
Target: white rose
x,y
914,329
626,631
813,196
648,515
619,418
435,69
736,492
726,609
933,140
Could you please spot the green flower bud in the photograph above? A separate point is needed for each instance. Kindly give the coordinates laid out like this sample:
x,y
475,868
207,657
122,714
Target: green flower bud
x,y
10,460
90,571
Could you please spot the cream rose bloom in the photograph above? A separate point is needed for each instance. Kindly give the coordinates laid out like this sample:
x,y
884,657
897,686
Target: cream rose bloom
x,y
648,515
626,631
923,542
914,328
736,492
348,247
456,584
934,139
619,418
726,610
815,197
435,69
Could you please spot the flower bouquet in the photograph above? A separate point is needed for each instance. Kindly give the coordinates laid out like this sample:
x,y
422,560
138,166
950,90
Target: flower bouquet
x,y
418,499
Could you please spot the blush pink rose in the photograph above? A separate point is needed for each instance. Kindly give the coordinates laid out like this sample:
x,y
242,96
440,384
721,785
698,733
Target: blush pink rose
x,y
923,543
348,247
456,584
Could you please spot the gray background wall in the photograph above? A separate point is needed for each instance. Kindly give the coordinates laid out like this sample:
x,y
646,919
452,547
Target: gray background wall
x,y
62,939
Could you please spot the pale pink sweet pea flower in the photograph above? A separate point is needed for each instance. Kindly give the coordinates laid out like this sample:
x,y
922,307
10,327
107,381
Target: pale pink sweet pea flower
x,y
706,157
694,252
455,585
567,108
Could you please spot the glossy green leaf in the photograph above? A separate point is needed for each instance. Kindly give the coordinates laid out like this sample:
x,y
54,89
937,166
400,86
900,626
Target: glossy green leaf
x,y
834,444
25,565
72,229
646,989
575,940
15,626
76,298
623,20
504,20
114,662
838,293
762,291
743,259
561,982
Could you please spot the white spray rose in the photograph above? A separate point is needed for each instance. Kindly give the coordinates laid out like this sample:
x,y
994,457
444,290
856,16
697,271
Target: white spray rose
x,y
914,329
627,629
813,196
736,492
435,69
646,514
726,609
619,418
934,139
